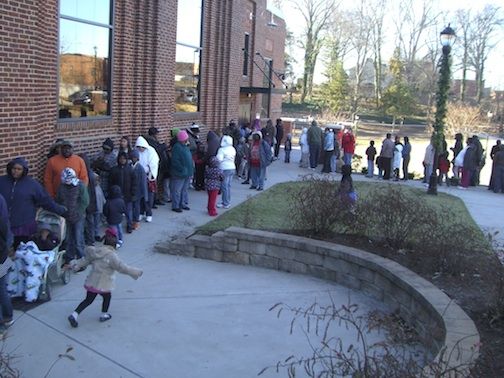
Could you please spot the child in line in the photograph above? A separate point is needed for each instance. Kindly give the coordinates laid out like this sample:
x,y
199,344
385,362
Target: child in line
x,y
370,153
141,192
100,202
288,148
213,181
242,152
444,167
123,176
73,194
105,263
114,209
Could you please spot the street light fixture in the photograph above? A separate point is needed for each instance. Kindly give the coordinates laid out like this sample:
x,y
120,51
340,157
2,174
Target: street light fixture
x,y
447,37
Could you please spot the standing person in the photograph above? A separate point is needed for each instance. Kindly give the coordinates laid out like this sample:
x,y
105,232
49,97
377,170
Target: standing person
x,y
498,162
161,150
260,158
213,144
23,195
56,164
125,146
103,164
493,152
104,263
100,203
213,182
386,155
459,145
141,188
123,176
336,155
89,222
444,167
149,160
328,150
406,155
469,164
199,167
314,137
370,153
428,161
279,136
73,194
480,160
113,210
226,157
348,144
288,148
398,149
181,173
269,133
305,149
5,263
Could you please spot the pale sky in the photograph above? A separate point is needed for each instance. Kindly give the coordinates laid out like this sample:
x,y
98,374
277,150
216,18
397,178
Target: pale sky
x,y
494,73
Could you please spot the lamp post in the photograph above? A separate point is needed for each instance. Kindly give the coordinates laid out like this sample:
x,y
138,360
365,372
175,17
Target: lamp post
x,y
447,38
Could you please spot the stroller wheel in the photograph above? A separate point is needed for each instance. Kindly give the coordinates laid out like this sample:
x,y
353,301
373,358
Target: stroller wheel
x,y
66,276
45,292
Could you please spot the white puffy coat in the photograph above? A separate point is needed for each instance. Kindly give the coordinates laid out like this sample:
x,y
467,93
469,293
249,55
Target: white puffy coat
x,y
226,154
149,158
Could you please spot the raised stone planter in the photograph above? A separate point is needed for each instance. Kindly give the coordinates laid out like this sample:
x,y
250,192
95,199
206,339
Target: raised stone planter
x,y
444,328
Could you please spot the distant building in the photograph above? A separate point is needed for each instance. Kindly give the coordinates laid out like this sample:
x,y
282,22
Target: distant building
x,y
111,68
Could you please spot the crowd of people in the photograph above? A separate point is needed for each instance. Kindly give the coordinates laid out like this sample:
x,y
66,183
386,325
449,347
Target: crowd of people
x,y
115,186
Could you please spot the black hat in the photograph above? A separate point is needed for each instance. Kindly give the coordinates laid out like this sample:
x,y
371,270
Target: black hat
x,y
66,143
108,144
153,131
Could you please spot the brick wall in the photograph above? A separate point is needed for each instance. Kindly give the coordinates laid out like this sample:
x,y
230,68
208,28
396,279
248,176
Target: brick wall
x,y
142,76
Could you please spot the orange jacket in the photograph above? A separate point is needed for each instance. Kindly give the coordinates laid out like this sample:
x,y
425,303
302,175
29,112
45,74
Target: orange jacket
x,y
54,167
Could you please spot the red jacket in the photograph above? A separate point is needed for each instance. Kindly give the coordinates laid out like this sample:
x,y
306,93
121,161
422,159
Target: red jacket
x,y
348,143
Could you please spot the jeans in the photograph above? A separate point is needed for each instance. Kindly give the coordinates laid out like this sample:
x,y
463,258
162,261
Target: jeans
x,y
136,210
166,190
287,156
333,163
97,224
5,301
75,239
129,215
257,175
179,192
405,164
89,229
226,186
428,172
327,161
146,204
119,230
314,155
370,168
347,158
387,167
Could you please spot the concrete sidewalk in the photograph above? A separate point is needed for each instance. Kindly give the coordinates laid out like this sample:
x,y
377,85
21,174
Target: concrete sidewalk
x,y
188,317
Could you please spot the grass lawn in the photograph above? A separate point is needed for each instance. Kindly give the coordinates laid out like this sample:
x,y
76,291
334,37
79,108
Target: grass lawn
x,y
271,210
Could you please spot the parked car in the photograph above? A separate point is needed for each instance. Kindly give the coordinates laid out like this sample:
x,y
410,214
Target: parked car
x,y
80,97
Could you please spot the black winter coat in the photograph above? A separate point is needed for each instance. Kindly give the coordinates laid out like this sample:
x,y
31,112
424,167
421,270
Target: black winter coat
x,y
124,177
114,208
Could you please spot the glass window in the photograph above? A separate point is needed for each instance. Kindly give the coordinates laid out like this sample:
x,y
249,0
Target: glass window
x,y
187,66
84,58
246,53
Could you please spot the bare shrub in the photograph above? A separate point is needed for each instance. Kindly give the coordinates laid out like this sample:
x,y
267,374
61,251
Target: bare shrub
x,y
463,119
392,215
316,207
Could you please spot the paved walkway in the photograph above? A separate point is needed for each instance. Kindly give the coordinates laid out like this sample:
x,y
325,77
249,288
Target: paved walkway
x,y
187,317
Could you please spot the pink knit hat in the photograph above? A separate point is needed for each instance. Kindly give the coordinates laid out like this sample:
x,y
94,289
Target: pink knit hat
x,y
182,136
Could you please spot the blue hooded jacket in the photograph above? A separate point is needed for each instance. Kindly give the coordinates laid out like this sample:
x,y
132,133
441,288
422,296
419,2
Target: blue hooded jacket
x,y
24,196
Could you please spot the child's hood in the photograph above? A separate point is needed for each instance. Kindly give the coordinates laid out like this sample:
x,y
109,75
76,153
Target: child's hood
x,y
93,253
115,191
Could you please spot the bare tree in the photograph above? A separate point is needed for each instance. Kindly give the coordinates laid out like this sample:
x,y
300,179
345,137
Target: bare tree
x,y
481,37
316,14
377,15
411,24
464,23
360,42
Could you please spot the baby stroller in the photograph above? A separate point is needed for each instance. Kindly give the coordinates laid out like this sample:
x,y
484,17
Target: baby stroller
x,y
34,269
54,271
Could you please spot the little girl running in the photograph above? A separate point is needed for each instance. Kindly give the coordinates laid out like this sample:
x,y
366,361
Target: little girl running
x,y
100,280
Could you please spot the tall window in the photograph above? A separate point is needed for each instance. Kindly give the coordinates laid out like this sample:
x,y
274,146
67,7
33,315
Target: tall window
x,y
85,32
187,67
246,53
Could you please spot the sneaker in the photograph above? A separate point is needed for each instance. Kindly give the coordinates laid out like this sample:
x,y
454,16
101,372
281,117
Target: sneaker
x,y
105,317
148,219
129,230
226,206
253,187
246,182
73,321
259,189
220,205
461,187
177,210
186,208
7,322
141,217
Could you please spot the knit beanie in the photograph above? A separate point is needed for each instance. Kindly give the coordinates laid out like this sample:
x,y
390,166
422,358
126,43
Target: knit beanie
x,y
182,136
108,144
134,154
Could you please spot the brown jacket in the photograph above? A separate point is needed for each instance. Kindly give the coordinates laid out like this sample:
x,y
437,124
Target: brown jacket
x,y
105,263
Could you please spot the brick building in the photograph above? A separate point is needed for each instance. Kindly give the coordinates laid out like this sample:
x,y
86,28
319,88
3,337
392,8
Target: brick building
x,y
87,70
